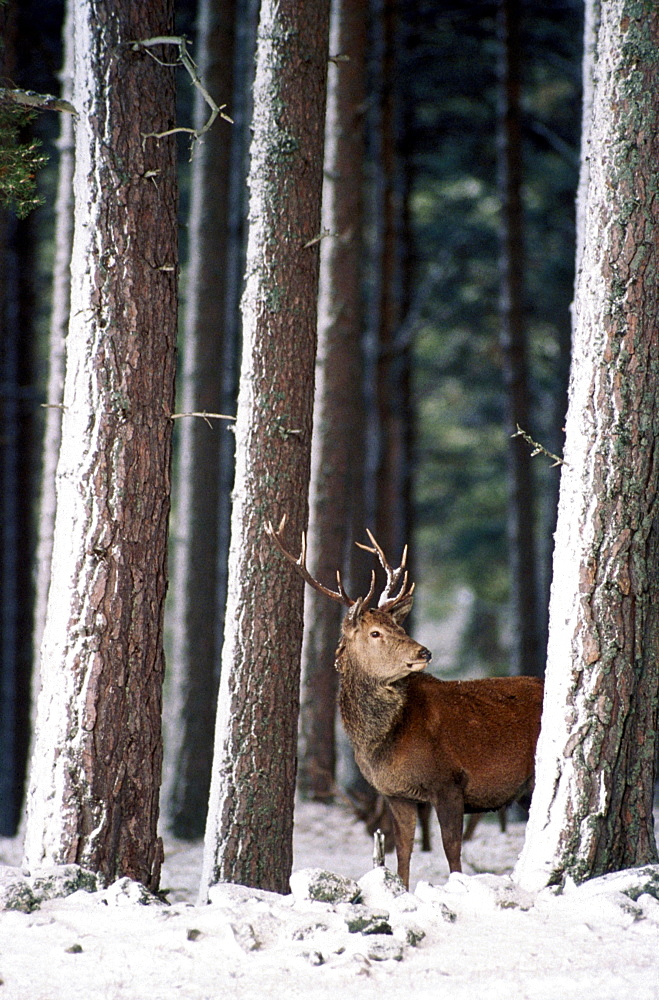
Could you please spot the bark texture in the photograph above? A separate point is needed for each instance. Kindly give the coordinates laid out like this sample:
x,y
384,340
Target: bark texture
x,y
98,750
196,605
59,319
336,465
249,830
592,808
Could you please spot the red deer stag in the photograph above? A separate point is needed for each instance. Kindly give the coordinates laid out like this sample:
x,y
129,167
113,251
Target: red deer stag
x,y
462,746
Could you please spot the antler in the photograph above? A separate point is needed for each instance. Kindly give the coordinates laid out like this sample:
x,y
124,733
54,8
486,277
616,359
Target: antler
x,y
300,565
387,599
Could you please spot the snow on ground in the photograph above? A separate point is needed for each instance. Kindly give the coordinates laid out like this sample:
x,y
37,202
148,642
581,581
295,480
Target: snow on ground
x,y
463,938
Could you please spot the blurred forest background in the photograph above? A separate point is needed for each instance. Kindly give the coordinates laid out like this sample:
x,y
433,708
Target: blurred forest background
x,y
468,267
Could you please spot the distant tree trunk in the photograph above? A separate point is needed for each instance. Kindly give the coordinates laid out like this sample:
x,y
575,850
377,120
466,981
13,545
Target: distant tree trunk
x,y
195,601
19,422
98,750
17,419
250,822
391,299
527,657
336,465
592,806
59,319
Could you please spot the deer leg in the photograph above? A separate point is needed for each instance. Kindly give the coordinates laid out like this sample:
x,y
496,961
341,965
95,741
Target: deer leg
x,y
423,809
472,823
404,813
450,813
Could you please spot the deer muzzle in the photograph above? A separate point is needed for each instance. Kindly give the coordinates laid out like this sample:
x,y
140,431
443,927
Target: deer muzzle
x,y
421,660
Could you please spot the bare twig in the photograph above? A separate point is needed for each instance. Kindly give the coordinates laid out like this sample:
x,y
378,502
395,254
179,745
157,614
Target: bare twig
x,y
204,416
321,236
538,449
185,59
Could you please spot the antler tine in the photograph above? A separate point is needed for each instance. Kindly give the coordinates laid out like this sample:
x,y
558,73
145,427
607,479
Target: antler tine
x,y
387,597
300,564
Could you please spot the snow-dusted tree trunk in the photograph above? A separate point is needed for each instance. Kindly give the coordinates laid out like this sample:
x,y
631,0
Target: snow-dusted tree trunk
x,y
97,757
336,466
59,319
196,608
249,834
592,808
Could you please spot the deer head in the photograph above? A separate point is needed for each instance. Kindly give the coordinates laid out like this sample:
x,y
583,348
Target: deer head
x,y
372,638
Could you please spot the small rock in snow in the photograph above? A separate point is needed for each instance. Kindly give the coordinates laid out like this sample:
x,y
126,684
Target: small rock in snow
x,y
478,892
245,936
309,930
650,907
611,909
381,948
414,934
59,881
632,881
228,893
15,891
126,892
362,919
436,896
380,887
314,957
323,886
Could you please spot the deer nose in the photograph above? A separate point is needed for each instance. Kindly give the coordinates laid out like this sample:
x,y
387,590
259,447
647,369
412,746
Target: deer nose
x,y
425,654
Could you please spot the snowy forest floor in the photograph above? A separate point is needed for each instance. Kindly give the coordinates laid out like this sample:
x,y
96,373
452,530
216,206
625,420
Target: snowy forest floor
x,y
465,939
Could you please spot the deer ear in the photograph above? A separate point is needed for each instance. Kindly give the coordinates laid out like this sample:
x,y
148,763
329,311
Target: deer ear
x,y
402,609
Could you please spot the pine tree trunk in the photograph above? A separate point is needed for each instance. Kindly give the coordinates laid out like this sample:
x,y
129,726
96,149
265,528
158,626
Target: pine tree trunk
x,y
392,403
527,657
250,823
98,750
336,467
592,808
196,604
57,334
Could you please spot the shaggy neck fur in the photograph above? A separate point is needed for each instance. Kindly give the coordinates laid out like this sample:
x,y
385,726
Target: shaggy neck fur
x,y
370,709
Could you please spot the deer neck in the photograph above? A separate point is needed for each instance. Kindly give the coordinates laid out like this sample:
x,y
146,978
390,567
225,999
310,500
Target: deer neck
x,y
370,709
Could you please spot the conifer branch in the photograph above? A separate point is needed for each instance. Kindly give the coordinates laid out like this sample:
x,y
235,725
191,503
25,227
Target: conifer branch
x,y
30,99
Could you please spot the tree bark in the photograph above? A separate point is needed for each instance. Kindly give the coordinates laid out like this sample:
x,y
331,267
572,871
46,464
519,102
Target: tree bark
x,y
59,319
197,608
527,657
592,808
98,750
250,823
336,466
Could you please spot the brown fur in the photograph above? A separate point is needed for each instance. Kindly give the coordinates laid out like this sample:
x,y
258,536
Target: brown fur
x,y
463,746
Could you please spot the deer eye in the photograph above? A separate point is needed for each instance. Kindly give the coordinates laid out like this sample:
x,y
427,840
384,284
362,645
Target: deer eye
x,y
375,634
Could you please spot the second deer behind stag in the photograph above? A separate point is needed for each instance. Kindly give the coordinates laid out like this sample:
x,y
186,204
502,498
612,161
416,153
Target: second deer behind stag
x,y
463,746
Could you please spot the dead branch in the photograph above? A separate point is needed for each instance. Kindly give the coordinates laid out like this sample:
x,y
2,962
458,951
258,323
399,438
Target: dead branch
x,y
184,59
538,449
